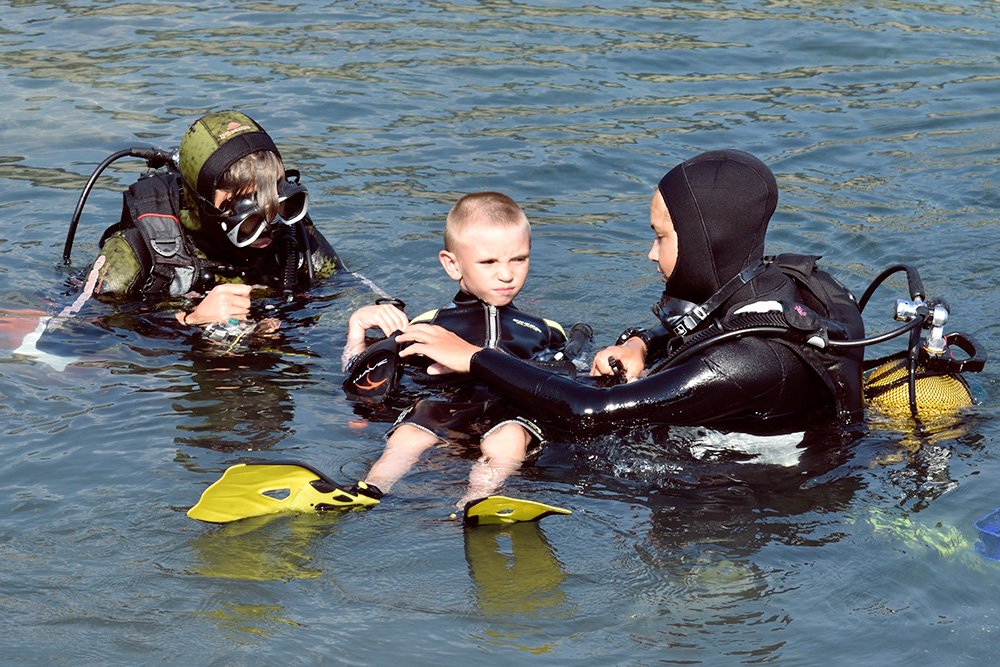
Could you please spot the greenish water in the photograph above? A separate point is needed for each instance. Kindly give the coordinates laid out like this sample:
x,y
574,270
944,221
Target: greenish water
x,y
880,121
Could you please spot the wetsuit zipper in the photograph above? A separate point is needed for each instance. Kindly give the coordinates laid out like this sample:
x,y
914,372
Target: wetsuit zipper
x,y
492,326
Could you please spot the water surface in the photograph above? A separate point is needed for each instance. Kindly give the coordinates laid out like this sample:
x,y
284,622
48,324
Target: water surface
x,y
880,122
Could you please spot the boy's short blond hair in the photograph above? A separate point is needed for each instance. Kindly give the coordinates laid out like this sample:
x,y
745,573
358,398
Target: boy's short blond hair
x,y
493,209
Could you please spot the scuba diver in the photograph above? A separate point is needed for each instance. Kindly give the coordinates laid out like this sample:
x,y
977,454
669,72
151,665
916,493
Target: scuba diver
x,y
745,343
223,216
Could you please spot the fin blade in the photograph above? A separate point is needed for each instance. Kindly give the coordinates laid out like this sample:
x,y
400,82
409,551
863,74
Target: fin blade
x,y
501,510
257,489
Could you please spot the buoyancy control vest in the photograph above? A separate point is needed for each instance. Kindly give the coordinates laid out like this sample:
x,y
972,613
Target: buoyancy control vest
x,y
170,262
823,310
150,224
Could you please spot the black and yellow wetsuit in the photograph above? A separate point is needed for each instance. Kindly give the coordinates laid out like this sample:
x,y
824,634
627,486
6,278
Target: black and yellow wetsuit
x,y
463,408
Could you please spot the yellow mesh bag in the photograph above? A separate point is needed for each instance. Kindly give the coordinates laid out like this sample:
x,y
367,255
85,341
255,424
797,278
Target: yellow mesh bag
x,y
887,390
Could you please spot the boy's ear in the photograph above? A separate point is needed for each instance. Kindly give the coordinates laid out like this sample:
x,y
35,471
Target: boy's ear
x,y
450,264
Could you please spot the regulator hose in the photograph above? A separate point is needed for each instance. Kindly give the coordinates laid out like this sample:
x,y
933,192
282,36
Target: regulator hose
x,y
154,157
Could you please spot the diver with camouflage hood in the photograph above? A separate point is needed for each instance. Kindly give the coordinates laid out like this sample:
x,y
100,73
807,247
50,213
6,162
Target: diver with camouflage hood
x,y
232,217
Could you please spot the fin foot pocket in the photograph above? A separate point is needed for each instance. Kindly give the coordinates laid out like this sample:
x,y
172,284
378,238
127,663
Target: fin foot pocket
x,y
255,489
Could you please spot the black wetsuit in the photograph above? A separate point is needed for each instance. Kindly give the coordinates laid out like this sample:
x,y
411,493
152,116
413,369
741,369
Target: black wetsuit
x,y
504,328
720,204
465,408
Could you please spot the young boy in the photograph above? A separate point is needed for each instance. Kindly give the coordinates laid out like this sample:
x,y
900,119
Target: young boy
x,y
487,250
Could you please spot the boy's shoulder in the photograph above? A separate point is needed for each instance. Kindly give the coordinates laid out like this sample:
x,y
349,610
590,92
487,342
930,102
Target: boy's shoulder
x,y
466,309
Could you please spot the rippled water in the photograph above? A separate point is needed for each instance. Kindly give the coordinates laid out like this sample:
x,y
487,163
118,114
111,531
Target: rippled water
x,y
880,121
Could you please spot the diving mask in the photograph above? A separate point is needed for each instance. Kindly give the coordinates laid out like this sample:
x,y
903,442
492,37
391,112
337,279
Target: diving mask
x,y
243,222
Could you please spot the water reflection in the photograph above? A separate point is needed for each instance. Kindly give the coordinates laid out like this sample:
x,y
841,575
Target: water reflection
x,y
246,624
267,548
516,574
239,403
880,120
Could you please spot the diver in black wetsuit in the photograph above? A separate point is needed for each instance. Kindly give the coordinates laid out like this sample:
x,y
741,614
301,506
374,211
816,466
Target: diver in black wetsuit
x,y
709,215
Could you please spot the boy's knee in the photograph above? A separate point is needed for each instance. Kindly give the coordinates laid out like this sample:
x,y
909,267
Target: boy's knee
x,y
509,442
406,437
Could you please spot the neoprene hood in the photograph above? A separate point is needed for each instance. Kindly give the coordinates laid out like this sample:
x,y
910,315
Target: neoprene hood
x,y
720,203
214,142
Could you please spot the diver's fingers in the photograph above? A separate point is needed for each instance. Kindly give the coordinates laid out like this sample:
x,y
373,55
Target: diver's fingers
x,y
439,345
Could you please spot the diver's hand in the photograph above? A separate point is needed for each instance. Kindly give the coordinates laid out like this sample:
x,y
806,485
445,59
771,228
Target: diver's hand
x,y
631,355
442,346
222,303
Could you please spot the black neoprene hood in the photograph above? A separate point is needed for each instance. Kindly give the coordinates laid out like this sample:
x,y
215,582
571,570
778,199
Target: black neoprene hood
x,y
720,203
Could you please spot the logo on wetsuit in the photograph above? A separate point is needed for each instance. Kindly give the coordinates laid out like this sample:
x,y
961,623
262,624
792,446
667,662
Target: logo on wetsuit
x,y
529,325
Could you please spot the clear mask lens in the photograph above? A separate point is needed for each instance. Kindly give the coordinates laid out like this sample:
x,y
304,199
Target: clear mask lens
x,y
293,202
245,223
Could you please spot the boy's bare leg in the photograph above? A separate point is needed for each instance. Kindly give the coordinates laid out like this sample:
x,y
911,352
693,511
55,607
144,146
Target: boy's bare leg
x,y
504,451
402,450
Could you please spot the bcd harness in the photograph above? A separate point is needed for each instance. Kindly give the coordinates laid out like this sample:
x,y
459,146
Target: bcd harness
x,y
806,326
150,224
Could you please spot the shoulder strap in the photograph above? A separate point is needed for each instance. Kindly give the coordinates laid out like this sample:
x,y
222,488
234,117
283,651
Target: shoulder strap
x,y
823,293
694,317
150,224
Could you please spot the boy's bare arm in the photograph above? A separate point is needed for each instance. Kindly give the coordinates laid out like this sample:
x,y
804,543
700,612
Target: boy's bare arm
x,y
384,316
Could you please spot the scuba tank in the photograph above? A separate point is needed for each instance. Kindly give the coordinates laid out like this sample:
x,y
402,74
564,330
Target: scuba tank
x,y
926,378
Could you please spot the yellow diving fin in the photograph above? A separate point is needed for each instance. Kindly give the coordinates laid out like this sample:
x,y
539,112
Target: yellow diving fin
x,y
256,489
503,510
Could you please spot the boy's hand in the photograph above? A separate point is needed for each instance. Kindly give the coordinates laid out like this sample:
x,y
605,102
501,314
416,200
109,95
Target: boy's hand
x,y
631,355
223,302
383,316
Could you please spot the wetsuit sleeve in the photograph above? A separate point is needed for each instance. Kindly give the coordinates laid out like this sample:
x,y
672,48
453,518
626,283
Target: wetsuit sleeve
x,y
656,342
749,384
119,270
325,259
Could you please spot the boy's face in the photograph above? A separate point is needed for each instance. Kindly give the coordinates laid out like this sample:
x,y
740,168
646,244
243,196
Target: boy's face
x,y
490,263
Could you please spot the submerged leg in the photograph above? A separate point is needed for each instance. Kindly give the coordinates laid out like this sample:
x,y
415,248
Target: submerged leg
x,y
404,447
504,450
